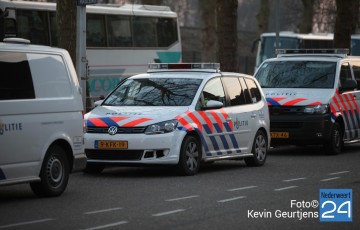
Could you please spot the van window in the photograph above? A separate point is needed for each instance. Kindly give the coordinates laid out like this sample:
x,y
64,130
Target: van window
x,y
16,81
50,75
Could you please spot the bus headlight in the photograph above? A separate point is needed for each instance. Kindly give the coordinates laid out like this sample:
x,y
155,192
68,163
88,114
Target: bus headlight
x,y
316,109
162,127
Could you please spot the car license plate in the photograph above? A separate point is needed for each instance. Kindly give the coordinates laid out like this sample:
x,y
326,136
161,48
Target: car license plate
x,y
111,144
279,134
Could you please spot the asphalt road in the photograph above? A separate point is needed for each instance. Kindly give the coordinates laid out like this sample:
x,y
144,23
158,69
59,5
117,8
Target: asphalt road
x,y
224,195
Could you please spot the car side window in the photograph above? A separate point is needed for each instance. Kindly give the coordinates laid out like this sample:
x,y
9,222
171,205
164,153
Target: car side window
x,y
247,95
214,90
356,70
234,90
254,90
17,83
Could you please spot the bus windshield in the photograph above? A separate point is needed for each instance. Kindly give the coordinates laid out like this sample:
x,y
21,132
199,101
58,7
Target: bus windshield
x,y
297,74
268,46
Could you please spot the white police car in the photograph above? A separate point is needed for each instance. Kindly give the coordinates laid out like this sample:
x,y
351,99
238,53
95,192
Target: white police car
x,y
179,114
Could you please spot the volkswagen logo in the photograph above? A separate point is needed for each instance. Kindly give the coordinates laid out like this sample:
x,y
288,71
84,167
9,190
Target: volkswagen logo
x,y
112,130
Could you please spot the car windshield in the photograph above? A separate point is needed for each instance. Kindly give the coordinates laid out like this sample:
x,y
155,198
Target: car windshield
x,y
297,74
154,92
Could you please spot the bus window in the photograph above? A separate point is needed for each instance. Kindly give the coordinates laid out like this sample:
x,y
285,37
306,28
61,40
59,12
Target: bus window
x,y
95,30
166,32
119,31
144,31
33,25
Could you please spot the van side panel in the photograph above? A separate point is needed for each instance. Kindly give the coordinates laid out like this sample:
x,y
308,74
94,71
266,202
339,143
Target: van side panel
x,y
33,116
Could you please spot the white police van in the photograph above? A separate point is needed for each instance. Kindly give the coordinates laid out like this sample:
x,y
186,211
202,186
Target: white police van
x,y
313,97
41,117
179,114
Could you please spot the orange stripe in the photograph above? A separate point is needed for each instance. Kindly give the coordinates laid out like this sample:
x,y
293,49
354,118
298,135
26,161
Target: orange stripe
x,y
207,120
295,101
226,117
117,119
194,119
218,120
98,122
135,122
316,103
184,123
337,104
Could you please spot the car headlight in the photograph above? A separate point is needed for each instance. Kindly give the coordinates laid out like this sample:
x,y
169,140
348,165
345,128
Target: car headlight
x,y
316,109
162,127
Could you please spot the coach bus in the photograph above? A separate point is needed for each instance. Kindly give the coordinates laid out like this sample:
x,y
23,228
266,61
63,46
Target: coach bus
x,y
121,39
266,45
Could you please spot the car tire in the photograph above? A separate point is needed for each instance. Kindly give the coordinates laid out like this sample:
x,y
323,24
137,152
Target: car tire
x,y
54,173
190,156
94,168
259,149
335,144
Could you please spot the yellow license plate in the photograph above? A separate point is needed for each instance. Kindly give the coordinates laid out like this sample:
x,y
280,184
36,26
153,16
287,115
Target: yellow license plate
x,y
111,144
279,134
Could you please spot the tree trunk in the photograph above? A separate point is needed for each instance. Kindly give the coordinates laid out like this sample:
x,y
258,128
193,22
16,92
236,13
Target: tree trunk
x,y
66,22
346,18
262,16
226,20
208,30
307,16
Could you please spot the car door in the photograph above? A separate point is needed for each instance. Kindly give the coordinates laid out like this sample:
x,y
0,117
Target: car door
x,y
239,110
215,120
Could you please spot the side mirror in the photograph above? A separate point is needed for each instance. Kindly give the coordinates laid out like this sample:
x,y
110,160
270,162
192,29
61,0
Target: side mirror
x,y
212,104
97,103
348,85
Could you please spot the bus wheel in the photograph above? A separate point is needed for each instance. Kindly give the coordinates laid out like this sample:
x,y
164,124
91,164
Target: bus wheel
x,y
54,173
335,144
259,149
190,156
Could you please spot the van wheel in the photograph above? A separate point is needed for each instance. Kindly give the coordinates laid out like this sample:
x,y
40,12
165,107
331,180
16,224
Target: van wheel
x,y
54,173
335,144
190,156
259,149
94,168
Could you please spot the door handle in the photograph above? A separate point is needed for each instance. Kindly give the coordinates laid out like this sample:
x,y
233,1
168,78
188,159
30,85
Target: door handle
x,y
228,119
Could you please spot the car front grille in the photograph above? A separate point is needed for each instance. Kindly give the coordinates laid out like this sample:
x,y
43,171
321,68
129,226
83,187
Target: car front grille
x,y
127,130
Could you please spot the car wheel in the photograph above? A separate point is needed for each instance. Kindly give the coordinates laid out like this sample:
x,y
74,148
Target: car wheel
x,y
259,149
54,173
190,156
335,144
94,168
